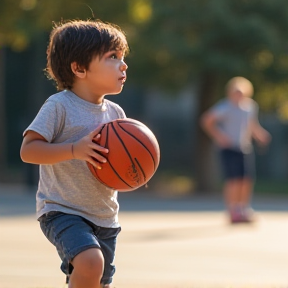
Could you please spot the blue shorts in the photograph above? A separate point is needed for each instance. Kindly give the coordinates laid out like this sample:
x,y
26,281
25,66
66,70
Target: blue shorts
x,y
236,164
72,234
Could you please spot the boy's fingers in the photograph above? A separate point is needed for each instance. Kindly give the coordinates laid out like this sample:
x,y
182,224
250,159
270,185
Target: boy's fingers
x,y
95,138
99,148
95,164
96,131
96,155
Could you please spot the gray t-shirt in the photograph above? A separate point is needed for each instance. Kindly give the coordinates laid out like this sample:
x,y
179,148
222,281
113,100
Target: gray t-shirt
x,y
69,186
235,121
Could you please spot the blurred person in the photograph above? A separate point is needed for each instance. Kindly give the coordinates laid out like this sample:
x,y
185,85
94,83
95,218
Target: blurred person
x,y
233,123
77,213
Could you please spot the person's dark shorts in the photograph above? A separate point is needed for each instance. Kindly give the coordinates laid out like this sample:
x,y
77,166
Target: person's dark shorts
x,y
236,164
72,234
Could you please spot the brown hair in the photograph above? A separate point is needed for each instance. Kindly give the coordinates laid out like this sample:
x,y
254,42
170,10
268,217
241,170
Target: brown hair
x,y
80,41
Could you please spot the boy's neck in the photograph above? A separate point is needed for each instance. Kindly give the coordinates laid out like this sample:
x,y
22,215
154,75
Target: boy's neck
x,y
87,95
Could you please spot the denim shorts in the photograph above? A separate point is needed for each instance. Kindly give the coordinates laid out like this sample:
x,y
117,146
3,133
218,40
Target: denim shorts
x,y
237,164
72,234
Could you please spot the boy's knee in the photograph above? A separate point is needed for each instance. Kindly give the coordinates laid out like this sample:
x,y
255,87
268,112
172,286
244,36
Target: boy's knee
x,y
89,263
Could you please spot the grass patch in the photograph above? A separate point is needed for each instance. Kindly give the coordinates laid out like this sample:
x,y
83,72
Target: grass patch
x,y
264,186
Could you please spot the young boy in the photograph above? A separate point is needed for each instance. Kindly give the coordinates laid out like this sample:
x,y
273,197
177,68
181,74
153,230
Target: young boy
x,y
76,212
232,123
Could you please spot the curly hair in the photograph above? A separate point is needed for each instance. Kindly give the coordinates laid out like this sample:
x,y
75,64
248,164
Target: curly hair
x,y
80,41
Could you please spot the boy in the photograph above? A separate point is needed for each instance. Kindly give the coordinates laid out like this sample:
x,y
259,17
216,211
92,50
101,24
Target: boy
x,y
76,212
232,123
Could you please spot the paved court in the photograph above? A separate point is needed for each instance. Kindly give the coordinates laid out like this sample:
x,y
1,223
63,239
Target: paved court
x,y
165,242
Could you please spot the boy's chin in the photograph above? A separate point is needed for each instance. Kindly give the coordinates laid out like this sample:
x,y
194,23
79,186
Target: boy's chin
x,y
115,92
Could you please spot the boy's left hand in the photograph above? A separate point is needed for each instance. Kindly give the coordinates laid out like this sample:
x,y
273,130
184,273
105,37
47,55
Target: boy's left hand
x,y
263,137
86,149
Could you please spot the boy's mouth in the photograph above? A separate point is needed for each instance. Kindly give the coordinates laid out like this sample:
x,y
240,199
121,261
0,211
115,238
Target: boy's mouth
x,y
122,79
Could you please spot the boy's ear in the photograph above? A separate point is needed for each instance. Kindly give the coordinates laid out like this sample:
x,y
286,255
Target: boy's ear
x,y
77,70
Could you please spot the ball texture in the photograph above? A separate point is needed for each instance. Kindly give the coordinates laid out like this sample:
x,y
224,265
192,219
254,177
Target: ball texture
x,y
133,156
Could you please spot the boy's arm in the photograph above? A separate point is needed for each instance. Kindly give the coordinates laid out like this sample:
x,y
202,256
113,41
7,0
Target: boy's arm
x,y
36,150
261,135
208,122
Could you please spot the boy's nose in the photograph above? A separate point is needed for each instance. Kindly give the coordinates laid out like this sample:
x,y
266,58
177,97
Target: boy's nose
x,y
124,66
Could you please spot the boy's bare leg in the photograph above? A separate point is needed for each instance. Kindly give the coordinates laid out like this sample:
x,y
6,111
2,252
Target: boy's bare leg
x,y
232,195
237,194
246,191
88,269
232,190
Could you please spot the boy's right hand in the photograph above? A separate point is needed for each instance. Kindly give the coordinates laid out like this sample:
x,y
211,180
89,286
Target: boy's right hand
x,y
87,150
223,141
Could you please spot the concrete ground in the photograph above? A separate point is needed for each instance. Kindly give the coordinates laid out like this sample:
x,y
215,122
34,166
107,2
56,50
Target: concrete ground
x,y
174,242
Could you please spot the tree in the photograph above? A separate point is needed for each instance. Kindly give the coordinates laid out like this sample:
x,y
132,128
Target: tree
x,y
207,42
175,43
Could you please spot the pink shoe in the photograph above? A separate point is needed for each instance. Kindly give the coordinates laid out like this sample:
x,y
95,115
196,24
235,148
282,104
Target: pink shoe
x,y
235,216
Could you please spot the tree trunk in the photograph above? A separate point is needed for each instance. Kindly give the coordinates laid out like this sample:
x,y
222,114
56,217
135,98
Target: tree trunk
x,y
35,98
206,161
3,147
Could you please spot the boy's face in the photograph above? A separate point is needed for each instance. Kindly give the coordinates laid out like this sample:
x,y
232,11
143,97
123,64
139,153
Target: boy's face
x,y
106,75
238,92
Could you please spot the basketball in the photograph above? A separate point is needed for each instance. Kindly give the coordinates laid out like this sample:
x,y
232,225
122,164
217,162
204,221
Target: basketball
x,y
133,156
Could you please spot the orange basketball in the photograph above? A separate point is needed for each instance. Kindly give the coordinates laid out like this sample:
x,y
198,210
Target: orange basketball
x,y
133,156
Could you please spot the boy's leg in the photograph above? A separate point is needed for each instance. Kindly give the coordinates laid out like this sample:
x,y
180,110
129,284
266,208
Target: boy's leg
x,y
246,194
246,191
237,194
76,243
232,191
247,188
232,164
88,269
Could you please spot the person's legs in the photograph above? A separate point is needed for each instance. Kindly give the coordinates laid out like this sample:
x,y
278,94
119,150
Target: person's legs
x,y
237,195
246,191
247,187
245,199
232,193
232,171
238,171
84,247
88,269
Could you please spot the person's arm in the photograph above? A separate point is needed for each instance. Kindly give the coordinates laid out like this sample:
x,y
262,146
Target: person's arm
x,y
261,135
36,150
208,122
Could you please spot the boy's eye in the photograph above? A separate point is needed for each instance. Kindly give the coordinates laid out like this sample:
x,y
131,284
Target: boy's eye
x,y
116,55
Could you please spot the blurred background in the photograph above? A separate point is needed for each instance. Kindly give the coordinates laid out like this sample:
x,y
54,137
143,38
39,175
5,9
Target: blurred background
x,y
182,54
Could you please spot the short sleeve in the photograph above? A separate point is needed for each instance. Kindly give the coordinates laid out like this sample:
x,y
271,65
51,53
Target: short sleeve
x,y
219,109
255,110
117,109
121,113
49,121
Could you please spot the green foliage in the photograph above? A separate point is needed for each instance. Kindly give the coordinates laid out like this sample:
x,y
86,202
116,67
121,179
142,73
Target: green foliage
x,y
185,38
272,187
21,20
175,42
223,38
